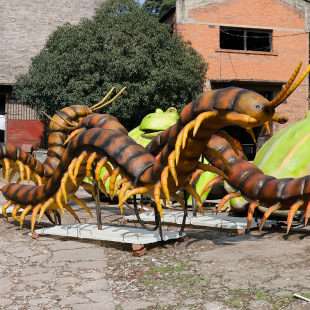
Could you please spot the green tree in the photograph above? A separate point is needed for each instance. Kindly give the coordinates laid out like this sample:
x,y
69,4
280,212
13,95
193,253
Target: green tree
x,y
158,7
122,45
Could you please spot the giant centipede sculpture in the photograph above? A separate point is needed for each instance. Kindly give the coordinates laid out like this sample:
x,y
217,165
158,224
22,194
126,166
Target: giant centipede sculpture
x,y
162,168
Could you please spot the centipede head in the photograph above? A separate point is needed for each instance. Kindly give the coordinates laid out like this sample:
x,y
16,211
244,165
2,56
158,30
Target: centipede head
x,y
255,106
253,110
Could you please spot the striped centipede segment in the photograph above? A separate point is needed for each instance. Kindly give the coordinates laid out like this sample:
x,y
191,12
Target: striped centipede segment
x,y
74,118
259,189
66,120
162,168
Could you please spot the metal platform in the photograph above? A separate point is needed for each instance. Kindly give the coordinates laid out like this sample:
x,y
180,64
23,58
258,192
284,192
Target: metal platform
x,y
109,233
208,220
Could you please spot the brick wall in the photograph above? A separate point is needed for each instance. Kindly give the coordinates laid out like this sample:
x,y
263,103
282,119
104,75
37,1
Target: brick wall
x,y
200,21
25,26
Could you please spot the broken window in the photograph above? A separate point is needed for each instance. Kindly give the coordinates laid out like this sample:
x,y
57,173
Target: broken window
x,y
245,39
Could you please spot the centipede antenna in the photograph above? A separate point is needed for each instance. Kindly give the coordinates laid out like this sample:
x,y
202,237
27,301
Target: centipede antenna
x,y
104,99
74,133
69,123
63,126
97,108
296,84
287,86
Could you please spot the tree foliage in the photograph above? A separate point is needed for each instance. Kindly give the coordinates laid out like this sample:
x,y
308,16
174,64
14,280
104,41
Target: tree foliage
x,y
158,7
122,45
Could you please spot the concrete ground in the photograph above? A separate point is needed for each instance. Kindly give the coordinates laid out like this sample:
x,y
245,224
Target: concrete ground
x,y
51,273
209,270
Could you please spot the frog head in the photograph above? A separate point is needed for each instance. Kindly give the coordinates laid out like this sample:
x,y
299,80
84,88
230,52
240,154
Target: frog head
x,y
159,121
153,124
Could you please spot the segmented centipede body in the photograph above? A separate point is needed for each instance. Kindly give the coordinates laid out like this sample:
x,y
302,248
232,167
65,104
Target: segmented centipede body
x,y
58,133
177,151
106,144
68,119
258,188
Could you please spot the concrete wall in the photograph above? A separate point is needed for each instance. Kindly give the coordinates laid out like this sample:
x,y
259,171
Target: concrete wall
x,y
199,21
25,26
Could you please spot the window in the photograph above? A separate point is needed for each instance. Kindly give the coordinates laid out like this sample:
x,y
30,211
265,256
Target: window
x,y
245,39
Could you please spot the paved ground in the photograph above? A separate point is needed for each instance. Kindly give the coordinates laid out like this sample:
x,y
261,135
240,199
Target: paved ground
x,y
209,270
51,273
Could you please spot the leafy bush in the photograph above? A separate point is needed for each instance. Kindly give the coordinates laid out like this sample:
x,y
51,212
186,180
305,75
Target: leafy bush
x,y
122,45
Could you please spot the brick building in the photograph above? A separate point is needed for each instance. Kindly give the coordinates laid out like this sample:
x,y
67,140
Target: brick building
x,y
25,26
254,44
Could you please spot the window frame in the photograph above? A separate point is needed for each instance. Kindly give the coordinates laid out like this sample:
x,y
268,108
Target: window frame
x,y
245,38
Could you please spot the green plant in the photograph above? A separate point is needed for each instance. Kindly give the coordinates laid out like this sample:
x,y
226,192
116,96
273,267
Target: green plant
x,y
158,7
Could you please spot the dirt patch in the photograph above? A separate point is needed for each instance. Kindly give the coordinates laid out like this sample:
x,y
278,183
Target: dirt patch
x,y
214,270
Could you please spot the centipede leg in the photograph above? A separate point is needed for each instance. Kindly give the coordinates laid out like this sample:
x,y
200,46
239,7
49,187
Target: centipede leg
x,y
48,215
195,175
226,198
114,175
273,208
135,191
6,167
307,213
171,162
45,206
212,169
294,208
217,154
82,204
179,199
121,194
21,169
164,181
67,207
56,212
157,188
14,213
227,137
4,208
78,163
70,170
34,215
13,172
252,207
211,183
192,192
119,183
24,213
